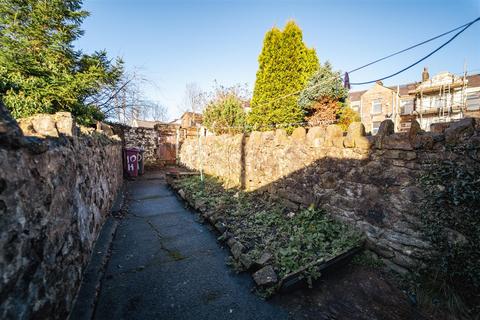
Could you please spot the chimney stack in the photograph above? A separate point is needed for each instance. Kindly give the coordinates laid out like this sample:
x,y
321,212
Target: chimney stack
x,y
425,75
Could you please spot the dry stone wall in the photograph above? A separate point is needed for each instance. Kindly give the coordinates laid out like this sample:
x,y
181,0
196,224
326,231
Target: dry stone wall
x,y
57,184
145,138
369,182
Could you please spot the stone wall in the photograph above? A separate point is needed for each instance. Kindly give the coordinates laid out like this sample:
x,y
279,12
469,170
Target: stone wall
x,y
145,138
159,143
367,181
57,184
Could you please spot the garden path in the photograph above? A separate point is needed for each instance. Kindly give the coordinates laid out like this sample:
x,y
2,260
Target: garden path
x,y
164,264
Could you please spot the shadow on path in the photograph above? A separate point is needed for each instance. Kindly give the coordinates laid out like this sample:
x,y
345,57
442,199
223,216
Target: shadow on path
x,y
166,265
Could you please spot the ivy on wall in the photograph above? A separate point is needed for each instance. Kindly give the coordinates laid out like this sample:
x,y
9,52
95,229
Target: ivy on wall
x,y
451,222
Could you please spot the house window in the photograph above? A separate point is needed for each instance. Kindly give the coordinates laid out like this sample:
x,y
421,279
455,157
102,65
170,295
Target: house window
x,y
377,106
375,126
406,106
473,101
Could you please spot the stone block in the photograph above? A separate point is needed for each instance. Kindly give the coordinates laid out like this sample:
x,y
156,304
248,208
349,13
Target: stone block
x,y
415,129
455,238
459,130
231,242
255,138
246,261
333,132
400,154
265,258
338,142
424,141
355,131
318,142
181,193
404,261
299,134
65,124
221,227
348,142
44,124
405,240
265,276
315,133
281,137
386,129
107,130
237,249
26,127
439,127
267,136
394,267
364,143
398,141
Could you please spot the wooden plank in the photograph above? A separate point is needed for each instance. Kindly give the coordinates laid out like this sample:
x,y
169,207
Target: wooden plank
x,y
296,276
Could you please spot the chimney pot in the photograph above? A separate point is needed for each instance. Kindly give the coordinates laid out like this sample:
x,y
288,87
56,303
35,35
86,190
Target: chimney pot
x,y
425,75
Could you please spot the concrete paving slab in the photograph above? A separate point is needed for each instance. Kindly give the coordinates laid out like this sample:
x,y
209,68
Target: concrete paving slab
x,y
166,265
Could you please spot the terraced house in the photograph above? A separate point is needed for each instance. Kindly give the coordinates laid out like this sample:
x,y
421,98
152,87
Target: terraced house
x,y
444,97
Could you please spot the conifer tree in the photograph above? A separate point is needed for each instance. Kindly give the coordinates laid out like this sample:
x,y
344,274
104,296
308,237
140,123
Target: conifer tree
x,y
324,96
40,70
285,65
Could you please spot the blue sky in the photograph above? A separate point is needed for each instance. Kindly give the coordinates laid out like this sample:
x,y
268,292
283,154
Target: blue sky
x,y
176,42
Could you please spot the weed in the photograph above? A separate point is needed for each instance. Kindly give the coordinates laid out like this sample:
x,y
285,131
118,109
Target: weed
x,y
260,224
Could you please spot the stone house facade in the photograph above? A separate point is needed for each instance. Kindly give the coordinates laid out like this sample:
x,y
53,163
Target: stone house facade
x,y
445,97
375,105
191,119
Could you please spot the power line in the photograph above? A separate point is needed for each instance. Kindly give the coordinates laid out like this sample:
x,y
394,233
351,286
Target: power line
x,y
468,25
465,27
409,48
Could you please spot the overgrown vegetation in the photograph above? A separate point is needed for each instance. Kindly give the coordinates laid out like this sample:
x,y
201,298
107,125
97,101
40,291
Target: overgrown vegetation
x,y
323,96
224,112
324,99
285,65
294,239
451,219
40,71
346,116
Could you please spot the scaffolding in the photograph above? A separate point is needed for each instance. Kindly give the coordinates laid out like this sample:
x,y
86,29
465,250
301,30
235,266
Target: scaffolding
x,y
441,99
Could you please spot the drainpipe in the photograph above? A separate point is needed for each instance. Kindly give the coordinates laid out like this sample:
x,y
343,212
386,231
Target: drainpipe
x,y
361,110
394,116
177,141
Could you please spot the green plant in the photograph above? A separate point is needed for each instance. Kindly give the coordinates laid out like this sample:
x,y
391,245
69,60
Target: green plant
x,y
346,116
225,114
40,71
285,65
451,222
295,240
367,259
323,96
